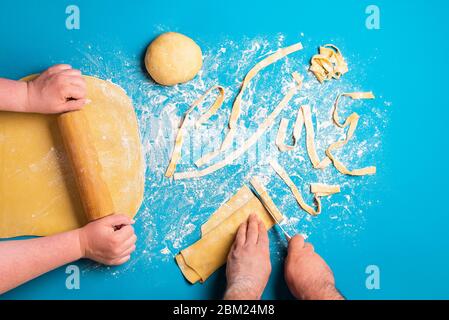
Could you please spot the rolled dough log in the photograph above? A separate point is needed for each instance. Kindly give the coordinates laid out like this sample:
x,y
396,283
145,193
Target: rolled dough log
x,y
205,256
38,194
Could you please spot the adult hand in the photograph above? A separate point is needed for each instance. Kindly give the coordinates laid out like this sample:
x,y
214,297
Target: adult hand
x,y
307,274
248,267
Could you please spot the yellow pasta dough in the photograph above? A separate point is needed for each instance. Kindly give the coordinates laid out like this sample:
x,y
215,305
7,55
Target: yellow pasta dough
x,y
173,58
205,256
38,195
328,64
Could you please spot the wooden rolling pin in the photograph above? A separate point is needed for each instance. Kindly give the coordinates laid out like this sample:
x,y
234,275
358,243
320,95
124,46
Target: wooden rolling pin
x,y
93,191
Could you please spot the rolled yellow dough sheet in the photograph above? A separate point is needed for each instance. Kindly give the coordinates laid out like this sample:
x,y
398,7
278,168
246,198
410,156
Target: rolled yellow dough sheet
x,y
38,194
205,256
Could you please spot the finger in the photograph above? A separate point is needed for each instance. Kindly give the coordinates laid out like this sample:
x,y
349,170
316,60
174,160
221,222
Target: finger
x,y
117,220
119,261
78,82
128,242
74,92
309,247
70,72
67,82
57,68
263,235
127,252
69,75
71,80
75,104
252,233
124,233
74,82
240,238
296,243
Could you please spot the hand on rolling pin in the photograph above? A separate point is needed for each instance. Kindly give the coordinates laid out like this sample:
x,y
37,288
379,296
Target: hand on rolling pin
x,y
109,240
307,274
248,267
60,88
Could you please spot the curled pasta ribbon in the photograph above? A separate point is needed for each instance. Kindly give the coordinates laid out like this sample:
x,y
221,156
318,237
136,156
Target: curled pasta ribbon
x,y
264,126
350,122
319,190
328,64
310,140
235,111
176,154
304,118
297,129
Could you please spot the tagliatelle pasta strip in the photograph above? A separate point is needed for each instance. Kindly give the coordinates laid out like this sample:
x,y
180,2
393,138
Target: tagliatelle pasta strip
x,y
317,189
297,129
280,137
304,118
207,157
310,140
240,151
214,108
267,123
176,154
350,122
235,111
352,95
266,200
328,64
323,190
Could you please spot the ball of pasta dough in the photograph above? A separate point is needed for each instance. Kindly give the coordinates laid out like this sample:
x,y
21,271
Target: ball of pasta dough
x,y
173,58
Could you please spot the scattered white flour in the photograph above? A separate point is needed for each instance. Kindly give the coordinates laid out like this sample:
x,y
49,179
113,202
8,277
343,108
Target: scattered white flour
x,y
173,211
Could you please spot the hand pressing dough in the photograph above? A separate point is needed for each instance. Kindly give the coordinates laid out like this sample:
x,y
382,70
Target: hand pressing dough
x,y
173,58
38,195
205,256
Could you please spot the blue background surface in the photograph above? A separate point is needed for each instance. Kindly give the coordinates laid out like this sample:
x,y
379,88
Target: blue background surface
x,y
405,231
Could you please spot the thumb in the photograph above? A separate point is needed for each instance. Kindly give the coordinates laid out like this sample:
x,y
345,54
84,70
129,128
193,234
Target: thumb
x,y
72,105
295,244
117,220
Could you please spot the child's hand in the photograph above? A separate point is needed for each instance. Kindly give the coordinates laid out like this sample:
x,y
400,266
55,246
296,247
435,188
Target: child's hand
x,y
60,88
109,240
